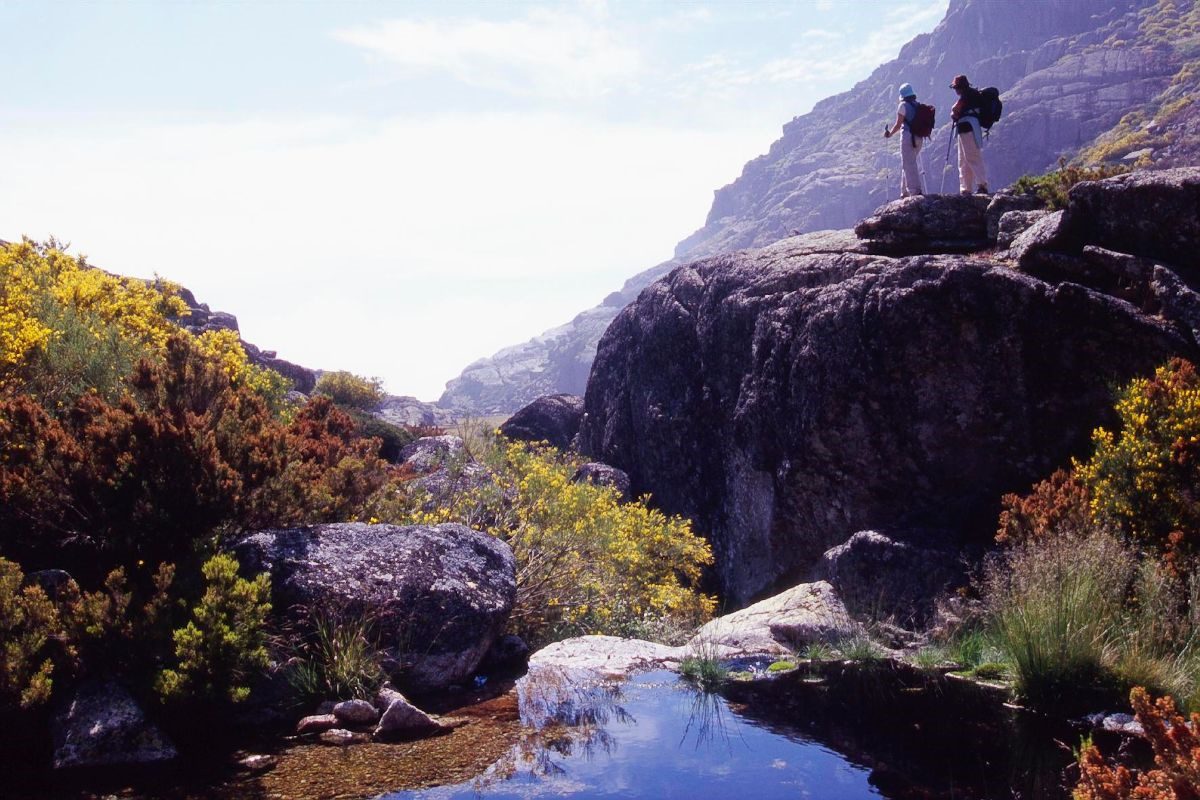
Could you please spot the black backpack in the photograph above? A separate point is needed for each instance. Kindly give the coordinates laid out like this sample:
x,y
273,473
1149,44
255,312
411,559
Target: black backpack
x,y
989,107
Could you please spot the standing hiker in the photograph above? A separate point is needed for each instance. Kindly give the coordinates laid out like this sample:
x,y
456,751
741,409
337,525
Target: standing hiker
x,y
972,174
910,144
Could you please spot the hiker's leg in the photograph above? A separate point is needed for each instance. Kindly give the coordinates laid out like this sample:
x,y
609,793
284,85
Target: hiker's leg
x,y
910,181
975,160
966,181
920,177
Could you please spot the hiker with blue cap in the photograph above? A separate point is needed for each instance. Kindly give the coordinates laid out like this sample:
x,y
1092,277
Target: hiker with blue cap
x,y
910,144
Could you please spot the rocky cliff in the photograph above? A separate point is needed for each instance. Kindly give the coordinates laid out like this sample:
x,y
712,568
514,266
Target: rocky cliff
x,y
787,397
1101,79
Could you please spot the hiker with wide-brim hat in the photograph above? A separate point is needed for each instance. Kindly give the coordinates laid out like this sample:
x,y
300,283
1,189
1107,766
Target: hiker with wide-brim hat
x,y
972,173
910,145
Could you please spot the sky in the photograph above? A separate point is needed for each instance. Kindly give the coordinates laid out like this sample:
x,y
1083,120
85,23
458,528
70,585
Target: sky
x,y
400,188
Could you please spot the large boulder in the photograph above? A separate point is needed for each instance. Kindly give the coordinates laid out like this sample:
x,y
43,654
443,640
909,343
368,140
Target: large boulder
x,y
605,656
1155,215
785,402
440,594
603,475
103,725
927,224
553,418
779,625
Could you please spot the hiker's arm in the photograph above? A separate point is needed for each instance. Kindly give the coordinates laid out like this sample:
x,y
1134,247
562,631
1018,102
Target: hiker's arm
x,y
899,124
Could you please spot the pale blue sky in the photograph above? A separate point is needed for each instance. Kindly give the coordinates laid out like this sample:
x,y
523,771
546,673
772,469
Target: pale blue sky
x,y
400,188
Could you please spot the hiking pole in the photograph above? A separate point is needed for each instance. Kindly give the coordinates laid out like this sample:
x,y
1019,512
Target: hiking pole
x,y
946,166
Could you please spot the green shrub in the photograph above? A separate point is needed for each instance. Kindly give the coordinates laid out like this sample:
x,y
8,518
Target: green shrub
x,y
702,666
29,626
1053,187
224,644
337,659
392,438
350,390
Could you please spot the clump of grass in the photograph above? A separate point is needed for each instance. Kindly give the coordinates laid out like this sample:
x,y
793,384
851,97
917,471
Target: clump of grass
x,y
338,660
928,657
859,648
818,651
703,667
1054,188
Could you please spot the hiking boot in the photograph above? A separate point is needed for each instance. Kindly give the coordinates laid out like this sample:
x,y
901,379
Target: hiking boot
x,y
982,189
966,192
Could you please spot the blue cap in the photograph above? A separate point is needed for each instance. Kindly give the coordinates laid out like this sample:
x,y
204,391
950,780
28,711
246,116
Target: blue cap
x,y
906,90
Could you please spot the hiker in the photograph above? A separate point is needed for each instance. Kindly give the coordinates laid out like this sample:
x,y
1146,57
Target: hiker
x,y
972,174
910,145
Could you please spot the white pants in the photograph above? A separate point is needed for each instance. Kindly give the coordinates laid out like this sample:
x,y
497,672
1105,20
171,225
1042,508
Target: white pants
x,y
972,174
910,172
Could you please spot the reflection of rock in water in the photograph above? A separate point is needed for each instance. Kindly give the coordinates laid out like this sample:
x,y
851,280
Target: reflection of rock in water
x,y
921,734
565,712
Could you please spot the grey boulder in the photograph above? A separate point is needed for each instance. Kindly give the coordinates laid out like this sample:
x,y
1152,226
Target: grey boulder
x,y
552,418
440,595
103,725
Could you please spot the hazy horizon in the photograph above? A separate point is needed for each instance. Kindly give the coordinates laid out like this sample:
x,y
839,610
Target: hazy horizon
x,y
399,189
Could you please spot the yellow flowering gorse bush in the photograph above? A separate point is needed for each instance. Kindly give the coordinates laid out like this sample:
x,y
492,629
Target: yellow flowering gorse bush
x,y
586,562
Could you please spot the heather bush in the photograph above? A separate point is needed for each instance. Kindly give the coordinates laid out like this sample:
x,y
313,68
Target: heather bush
x,y
224,644
1176,745
29,627
1059,505
350,390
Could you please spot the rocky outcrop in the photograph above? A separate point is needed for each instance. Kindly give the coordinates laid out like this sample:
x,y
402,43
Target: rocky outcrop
x,y
881,578
103,725
553,418
784,402
779,625
440,595
409,411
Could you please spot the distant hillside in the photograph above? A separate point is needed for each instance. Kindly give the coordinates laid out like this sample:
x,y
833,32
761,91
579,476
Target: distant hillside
x,y
1095,79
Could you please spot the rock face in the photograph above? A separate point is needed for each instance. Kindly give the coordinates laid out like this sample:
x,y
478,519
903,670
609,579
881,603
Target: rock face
x,y
779,625
784,402
1108,78
103,726
441,593
881,578
553,418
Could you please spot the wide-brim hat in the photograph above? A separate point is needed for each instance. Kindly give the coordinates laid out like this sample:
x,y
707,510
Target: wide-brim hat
x,y
960,82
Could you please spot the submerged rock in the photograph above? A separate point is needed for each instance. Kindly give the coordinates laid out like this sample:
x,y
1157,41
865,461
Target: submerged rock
x,y
439,595
339,737
316,723
779,625
355,713
553,418
103,725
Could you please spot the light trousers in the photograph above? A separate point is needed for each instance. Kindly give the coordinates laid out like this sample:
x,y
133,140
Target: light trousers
x,y
972,174
910,172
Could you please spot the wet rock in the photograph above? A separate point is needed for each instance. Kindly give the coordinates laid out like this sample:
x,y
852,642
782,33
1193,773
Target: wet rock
x,y
338,737
927,224
317,723
553,418
257,762
355,713
882,578
1013,224
610,656
103,725
401,719
779,625
1004,203
784,403
440,595
603,475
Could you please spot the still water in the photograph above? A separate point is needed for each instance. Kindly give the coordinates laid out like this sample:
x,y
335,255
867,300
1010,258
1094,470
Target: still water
x,y
652,737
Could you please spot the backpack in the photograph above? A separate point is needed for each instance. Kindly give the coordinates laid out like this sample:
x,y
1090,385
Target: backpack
x,y
989,107
923,122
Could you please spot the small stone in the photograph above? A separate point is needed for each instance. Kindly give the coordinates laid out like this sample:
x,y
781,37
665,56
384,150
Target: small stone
x,y
257,762
403,720
355,713
317,723
337,736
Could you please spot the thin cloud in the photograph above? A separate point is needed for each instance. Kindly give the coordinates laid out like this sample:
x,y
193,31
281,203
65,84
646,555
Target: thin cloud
x,y
547,54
